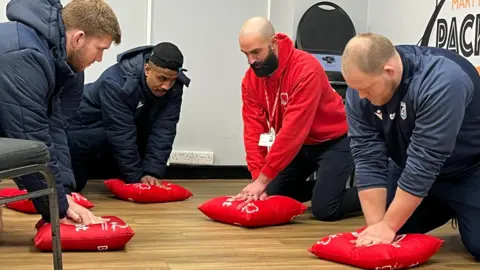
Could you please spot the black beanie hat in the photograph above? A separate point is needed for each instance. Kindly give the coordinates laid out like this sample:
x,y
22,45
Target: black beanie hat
x,y
167,55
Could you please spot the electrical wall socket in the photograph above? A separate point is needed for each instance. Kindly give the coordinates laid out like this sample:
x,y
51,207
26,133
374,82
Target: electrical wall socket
x,y
190,157
202,158
180,157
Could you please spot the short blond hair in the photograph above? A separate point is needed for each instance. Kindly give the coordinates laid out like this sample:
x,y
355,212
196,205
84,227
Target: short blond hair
x,y
94,17
368,52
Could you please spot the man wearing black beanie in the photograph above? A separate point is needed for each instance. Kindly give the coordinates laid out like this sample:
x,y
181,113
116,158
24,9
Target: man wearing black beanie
x,y
126,124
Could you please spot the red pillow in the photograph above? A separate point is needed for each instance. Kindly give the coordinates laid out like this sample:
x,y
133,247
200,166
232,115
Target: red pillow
x,y
274,210
81,200
408,250
26,206
112,235
145,193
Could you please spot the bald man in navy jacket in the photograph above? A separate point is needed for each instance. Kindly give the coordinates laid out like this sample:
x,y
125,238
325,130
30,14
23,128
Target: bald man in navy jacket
x,y
414,129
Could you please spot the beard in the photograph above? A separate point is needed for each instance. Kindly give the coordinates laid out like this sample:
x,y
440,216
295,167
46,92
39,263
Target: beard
x,y
268,66
391,90
75,60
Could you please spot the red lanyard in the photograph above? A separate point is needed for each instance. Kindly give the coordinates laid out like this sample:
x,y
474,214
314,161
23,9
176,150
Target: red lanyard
x,y
271,119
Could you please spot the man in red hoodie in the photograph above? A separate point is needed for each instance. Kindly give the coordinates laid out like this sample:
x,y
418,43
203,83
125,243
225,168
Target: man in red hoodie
x,y
294,124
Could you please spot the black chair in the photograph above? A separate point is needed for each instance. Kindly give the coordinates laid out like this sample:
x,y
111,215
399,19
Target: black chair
x,y
323,31
22,157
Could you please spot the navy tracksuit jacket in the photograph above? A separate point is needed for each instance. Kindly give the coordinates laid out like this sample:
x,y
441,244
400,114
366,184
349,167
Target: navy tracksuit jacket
x,y
119,117
431,131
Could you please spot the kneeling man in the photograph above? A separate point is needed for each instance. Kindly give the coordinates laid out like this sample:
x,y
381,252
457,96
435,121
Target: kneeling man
x,y
126,124
294,124
414,122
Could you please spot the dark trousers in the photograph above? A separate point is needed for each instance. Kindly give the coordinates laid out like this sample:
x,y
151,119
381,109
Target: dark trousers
x,y
333,164
457,198
100,166
92,157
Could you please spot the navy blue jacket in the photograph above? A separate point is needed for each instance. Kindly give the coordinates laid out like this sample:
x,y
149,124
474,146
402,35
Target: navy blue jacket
x,y
38,88
111,106
430,128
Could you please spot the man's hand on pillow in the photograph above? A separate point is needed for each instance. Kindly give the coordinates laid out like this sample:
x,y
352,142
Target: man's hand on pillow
x,y
379,233
252,192
80,214
68,221
147,179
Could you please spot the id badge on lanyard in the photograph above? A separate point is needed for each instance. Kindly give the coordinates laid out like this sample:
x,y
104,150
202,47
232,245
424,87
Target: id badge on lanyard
x,y
267,139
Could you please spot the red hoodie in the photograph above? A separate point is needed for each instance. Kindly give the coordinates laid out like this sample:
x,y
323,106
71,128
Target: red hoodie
x,y
308,110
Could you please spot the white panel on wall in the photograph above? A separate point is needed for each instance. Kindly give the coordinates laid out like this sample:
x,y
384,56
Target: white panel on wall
x,y
398,21
207,33
3,17
282,16
133,33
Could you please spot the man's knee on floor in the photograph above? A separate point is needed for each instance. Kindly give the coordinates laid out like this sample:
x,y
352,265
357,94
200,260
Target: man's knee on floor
x,y
294,192
273,190
472,244
325,213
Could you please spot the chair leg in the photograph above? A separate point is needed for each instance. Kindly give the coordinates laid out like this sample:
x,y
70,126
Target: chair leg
x,y
54,219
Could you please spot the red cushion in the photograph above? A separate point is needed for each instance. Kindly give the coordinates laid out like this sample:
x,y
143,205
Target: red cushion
x,y
145,193
406,251
81,200
112,235
274,210
26,206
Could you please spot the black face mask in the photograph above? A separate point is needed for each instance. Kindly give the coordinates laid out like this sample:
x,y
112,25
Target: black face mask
x,y
267,67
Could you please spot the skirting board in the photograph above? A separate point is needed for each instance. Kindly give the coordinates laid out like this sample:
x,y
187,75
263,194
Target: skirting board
x,y
214,172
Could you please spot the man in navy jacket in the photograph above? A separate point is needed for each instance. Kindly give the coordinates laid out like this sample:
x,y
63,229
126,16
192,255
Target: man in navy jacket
x,y
44,49
414,126
126,124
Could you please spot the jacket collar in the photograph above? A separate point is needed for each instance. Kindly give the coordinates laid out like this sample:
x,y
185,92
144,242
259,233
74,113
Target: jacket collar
x,y
407,75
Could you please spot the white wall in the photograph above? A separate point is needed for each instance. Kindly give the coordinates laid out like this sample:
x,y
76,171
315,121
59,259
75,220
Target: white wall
x,y
211,112
398,20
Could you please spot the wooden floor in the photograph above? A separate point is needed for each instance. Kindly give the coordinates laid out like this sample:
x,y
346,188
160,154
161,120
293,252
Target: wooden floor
x,y
177,236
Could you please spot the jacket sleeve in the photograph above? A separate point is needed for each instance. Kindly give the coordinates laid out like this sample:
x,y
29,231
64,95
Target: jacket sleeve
x,y
442,100
254,124
71,97
297,120
366,145
64,109
162,136
25,83
119,125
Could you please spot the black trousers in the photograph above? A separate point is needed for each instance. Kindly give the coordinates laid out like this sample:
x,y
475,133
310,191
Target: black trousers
x,y
333,164
92,157
457,199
